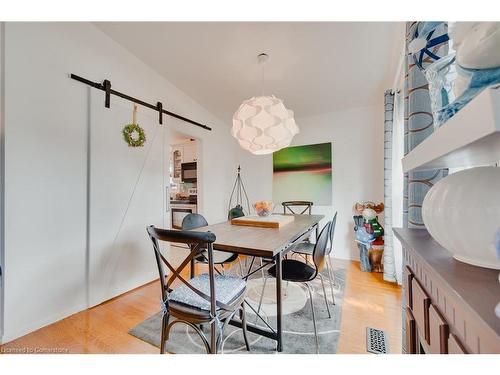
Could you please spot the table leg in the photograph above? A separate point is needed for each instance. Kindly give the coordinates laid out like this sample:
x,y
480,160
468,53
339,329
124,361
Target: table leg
x,y
191,269
279,311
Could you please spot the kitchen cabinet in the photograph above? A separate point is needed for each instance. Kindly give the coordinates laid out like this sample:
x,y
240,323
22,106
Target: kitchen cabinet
x,y
183,153
189,154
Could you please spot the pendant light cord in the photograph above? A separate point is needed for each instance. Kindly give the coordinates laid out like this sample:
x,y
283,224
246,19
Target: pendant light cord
x,y
263,57
262,82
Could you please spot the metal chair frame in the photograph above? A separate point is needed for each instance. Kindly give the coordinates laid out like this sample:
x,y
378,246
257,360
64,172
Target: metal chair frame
x,y
189,223
328,260
319,260
288,205
191,315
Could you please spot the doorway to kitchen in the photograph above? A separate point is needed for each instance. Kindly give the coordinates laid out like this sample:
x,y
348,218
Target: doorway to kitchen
x,y
184,173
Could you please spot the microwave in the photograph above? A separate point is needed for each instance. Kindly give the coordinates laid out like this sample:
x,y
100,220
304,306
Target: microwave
x,y
188,172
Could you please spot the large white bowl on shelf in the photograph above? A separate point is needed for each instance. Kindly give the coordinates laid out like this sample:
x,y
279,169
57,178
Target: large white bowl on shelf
x,y
462,213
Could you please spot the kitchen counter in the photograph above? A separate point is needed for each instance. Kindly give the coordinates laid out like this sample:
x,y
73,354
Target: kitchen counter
x,y
182,201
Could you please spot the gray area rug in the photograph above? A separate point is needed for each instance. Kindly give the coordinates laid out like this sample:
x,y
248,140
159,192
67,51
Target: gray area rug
x,y
298,333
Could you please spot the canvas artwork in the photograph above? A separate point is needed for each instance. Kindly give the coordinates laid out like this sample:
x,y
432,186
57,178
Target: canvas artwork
x,y
303,173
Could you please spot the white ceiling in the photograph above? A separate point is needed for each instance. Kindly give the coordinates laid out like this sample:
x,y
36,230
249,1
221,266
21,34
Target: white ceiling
x,y
314,67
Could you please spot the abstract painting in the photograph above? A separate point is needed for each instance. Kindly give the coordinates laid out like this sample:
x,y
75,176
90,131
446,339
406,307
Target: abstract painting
x,y
303,173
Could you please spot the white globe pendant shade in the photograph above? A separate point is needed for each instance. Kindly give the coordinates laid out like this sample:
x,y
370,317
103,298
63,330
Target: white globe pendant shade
x,y
263,125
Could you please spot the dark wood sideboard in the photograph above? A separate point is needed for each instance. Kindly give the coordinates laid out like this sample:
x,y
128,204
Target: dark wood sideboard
x,y
448,306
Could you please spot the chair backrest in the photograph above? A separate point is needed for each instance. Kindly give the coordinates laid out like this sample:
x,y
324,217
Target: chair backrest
x,y
332,233
235,212
321,248
297,207
193,221
198,242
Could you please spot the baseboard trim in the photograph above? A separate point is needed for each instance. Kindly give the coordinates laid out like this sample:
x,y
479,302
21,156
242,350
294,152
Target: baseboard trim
x,y
11,336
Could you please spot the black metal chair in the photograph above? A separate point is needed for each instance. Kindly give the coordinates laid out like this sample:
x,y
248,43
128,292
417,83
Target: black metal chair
x,y
306,249
297,207
205,299
221,258
293,270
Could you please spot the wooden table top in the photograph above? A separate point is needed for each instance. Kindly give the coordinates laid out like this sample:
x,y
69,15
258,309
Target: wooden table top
x,y
263,242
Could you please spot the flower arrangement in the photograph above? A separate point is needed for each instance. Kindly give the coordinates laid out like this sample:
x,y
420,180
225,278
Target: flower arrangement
x,y
263,208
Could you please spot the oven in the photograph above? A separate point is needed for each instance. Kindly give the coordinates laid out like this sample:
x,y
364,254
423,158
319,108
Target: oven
x,y
188,172
179,211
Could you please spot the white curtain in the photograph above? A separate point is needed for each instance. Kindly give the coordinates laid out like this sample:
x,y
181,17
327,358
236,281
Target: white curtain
x,y
393,183
389,260
397,179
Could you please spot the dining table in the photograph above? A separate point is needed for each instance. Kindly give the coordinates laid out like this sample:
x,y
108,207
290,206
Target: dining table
x,y
271,245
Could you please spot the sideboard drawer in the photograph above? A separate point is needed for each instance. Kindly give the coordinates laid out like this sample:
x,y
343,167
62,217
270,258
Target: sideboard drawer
x,y
420,303
408,275
411,333
454,346
438,332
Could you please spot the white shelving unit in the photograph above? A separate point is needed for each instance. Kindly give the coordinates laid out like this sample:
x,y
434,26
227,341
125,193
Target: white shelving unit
x,y
470,138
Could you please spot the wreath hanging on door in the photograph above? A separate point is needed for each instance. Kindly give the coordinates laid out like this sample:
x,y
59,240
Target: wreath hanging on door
x,y
133,134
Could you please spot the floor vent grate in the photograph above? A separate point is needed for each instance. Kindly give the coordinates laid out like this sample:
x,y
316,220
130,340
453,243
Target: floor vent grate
x,y
376,341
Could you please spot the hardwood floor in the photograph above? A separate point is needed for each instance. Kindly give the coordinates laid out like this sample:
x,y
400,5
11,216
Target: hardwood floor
x,y
368,301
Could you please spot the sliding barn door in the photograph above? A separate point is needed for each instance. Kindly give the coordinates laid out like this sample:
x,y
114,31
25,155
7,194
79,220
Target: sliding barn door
x,y
127,192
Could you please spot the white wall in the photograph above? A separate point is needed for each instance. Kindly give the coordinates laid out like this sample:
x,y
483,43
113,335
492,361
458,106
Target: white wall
x,y
47,119
2,175
358,174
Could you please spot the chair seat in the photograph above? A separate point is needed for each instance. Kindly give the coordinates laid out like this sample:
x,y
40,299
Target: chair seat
x,y
304,248
294,270
227,290
220,257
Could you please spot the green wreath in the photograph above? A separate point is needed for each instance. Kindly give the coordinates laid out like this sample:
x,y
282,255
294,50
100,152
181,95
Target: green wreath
x,y
134,135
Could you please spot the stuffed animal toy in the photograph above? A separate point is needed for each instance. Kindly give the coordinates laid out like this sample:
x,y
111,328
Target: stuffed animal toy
x,y
359,207
371,223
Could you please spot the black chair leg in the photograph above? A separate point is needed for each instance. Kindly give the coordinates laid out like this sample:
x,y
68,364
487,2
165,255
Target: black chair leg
x,y
324,296
331,276
164,324
213,337
244,326
313,316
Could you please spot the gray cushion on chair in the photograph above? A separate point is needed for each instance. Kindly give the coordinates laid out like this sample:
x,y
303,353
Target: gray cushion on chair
x,y
305,248
227,288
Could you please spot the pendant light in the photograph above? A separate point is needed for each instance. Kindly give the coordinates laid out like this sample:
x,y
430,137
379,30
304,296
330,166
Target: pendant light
x,y
262,124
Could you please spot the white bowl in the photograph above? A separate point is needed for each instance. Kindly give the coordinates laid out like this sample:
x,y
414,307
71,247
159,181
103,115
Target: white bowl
x,y
462,213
